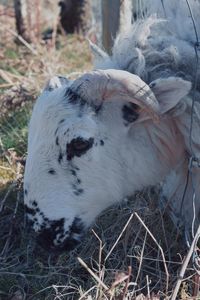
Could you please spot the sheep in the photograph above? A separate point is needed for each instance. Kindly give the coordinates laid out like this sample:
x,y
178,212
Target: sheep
x,y
117,129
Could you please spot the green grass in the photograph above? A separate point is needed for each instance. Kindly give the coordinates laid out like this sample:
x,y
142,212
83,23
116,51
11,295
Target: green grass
x,y
14,129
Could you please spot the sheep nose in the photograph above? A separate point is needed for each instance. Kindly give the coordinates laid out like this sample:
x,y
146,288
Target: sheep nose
x,y
47,242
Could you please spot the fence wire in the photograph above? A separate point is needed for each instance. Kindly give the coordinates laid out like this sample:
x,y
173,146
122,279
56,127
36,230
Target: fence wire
x,y
192,238
194,160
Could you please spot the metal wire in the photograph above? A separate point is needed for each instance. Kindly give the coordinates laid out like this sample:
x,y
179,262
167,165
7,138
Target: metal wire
x,y
193,158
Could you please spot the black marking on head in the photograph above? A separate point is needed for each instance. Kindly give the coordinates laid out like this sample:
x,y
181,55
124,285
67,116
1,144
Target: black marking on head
x,y
73,172
56,231
47,235
78,192
57,142
130,112
52,171
34,203
61,121
29,210
42,214
77,226
60,157
101,142
78,181
56,131
78,147
97,108
25,192
74,98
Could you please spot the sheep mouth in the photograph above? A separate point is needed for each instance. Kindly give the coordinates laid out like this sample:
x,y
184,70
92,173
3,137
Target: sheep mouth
x,y
55,239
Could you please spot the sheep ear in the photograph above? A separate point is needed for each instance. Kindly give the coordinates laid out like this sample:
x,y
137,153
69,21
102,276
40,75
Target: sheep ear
x,y
55,83
169,91
97,52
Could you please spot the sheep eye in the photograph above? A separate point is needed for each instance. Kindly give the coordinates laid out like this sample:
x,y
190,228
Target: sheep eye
x,y
78,146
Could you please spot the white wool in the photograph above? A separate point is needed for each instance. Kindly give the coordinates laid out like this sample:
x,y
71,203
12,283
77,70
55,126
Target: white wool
x,y
155,47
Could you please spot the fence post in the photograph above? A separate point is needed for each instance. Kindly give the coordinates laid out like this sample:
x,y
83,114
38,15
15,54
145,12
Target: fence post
x,y
21,18
116,16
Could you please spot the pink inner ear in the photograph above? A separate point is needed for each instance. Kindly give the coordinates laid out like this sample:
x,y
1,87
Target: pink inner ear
x,y
170,91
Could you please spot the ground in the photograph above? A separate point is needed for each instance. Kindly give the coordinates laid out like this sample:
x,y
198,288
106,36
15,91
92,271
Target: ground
x,y
119,258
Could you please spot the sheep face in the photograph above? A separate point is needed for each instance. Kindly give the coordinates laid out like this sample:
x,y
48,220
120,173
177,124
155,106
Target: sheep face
x,y
73,169
84,156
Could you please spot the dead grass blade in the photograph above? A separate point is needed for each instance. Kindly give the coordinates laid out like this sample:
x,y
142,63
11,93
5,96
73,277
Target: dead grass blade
x,y
20,38
120,235
93,274
160,248
184,266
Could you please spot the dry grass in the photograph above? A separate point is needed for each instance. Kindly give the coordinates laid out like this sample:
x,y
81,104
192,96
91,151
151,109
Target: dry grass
x,y
122,256
118,259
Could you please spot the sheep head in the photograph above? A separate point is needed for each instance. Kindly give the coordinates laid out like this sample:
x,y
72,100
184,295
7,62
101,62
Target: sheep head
x,y
89,146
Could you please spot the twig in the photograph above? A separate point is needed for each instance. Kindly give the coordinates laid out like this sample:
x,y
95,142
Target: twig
x,y
148,289
118,281
184,266
7,169
196,287
5,76
119,237
10,189
93,274
127,282
141,258
5,85
86,293
161,250
20,38
101,269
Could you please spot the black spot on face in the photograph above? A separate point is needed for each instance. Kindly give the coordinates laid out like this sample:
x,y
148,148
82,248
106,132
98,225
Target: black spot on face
x,y
61,121
56,131
34,203
60,157
75,98
29,211
78,147
42,214
78,192
73,172
77,226
25,192
72,96
101,142
52,171
56,229
130,113
57,141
